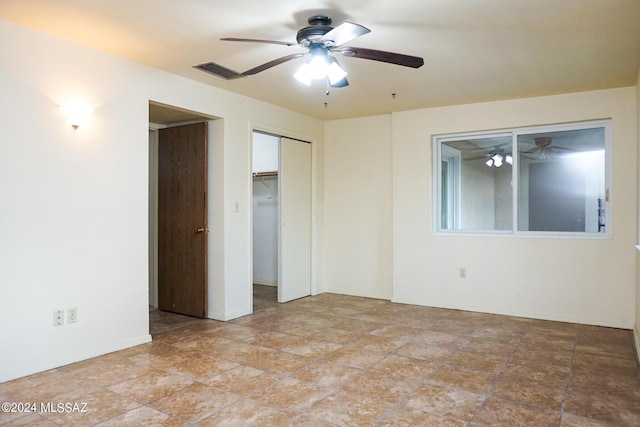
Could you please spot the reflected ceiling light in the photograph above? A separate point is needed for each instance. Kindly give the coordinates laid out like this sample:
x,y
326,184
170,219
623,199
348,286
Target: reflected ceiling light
x,y
320,66
497,160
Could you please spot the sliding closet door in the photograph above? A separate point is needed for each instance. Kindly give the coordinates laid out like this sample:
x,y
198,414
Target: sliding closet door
x,y
294,271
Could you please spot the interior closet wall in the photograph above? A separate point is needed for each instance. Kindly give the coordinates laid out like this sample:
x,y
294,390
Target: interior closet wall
x,y
265,209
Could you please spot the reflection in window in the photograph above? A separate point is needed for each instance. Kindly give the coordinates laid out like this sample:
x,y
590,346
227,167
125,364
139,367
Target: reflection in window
x,y
484,186
555,175
561,181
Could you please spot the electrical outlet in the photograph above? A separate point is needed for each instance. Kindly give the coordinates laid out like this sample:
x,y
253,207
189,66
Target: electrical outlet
x,y
72,314
58,317
463,273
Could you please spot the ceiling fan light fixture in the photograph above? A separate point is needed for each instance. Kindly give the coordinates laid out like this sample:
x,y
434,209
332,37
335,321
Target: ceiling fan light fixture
x,y
303,75
335,73
320,66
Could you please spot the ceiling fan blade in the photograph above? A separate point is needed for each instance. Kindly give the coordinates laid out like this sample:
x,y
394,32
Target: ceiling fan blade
x,y
486,156
553,147
235,39
382,56
533,150
267,65
344,33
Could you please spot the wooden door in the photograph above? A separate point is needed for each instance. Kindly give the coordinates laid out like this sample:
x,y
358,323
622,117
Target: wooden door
x,y
294,179
182,219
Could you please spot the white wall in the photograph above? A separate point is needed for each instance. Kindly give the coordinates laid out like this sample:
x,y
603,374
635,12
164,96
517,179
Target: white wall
x,y
357,231
73,215
578,280
265,153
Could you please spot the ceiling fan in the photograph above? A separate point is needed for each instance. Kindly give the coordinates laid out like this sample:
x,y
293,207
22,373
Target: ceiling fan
x,y
494,156
319,39
544,148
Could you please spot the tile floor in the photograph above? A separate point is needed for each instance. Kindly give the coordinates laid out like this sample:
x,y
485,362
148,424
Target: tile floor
x,y
334,360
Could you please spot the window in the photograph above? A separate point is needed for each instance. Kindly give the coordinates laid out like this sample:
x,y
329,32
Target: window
x,y
539,180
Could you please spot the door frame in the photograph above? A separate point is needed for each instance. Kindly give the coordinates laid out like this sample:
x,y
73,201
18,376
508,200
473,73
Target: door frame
x,y
284,133
175,116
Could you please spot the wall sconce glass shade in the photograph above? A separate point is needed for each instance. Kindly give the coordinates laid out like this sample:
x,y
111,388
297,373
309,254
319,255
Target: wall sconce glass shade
x,y
77,113
320,66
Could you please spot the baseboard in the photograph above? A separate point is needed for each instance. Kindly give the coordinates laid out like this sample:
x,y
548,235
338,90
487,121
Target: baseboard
x,y
620,324
636,342
224,317
23,371
352,293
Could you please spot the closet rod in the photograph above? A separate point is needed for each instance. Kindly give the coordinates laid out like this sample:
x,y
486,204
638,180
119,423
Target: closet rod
x,y
263,174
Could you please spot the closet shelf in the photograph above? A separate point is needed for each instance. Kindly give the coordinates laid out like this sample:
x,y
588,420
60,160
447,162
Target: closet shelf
x,y
264,174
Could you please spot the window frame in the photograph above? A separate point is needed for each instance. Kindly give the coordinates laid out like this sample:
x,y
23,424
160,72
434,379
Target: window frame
x,y
439,149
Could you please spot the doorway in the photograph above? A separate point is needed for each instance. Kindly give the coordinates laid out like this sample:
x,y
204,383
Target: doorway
x,y
281,216
178,145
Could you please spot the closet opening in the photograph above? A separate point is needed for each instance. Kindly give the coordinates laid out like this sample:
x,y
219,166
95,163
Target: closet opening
x,y
281,218
265,170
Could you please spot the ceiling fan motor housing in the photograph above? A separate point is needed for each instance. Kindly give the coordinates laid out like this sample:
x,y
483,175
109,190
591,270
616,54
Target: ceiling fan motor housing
x,y
319,25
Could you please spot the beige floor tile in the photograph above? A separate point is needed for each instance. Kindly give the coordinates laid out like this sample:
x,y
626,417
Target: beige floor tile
x,y
359,326
338,336
544,373
478,361
405,367
327,374
202,367
248,413
425,351
496,412
405,417
143,416
348,409
292,394
194,402
242,380
380,386
151,386
523,390
25,420
604,407
466,379
496,346
354,357
626,387
100,406
445,402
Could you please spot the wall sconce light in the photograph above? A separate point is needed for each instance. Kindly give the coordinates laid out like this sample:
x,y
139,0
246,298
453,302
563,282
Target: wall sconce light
x,y
78,113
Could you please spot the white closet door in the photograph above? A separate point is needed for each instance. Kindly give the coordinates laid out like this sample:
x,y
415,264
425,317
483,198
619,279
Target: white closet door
x,y
294,272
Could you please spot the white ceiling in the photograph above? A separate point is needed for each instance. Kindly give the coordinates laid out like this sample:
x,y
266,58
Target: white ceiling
x,y
474,50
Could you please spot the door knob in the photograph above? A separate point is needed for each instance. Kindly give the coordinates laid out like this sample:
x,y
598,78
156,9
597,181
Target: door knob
x,y
202,230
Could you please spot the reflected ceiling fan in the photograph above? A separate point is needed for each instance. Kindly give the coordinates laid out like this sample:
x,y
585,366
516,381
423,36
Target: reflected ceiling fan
x,y
544,149
319,39
494,156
